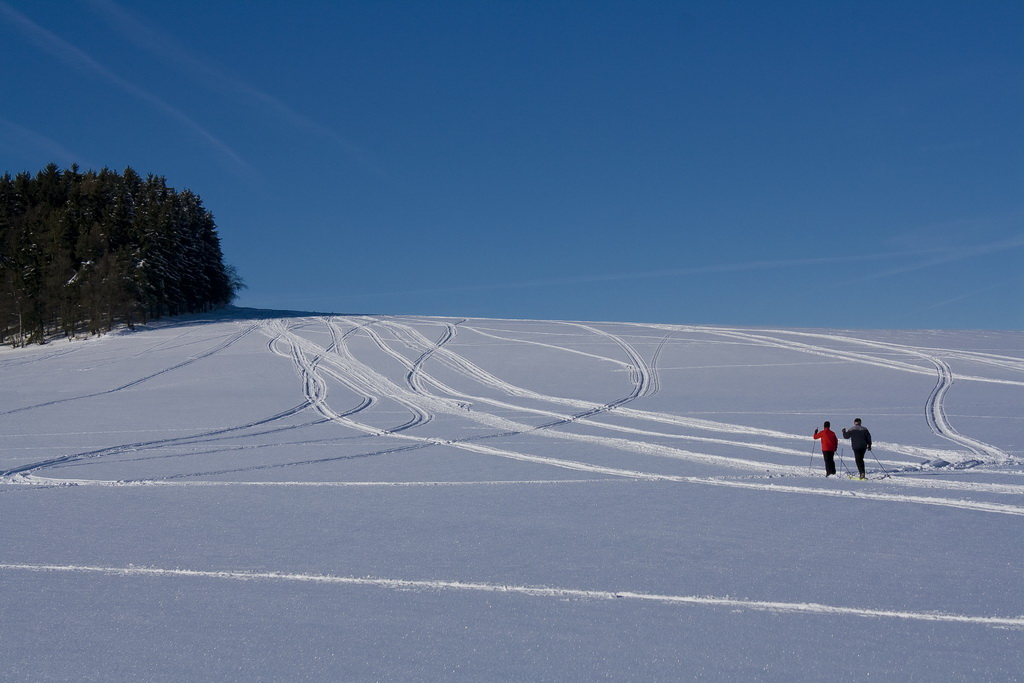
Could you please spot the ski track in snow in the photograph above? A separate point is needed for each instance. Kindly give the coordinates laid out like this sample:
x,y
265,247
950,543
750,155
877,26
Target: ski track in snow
x,y
230,341
934,407
764,486
424,397
1006,622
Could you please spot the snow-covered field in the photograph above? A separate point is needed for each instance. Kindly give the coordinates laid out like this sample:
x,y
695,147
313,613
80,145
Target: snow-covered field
x,y
262,496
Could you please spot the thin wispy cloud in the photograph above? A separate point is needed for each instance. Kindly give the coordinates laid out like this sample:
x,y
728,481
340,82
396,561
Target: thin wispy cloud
x,y
35,144
65,51
948,255
216,78
708,269
1001,287
910,260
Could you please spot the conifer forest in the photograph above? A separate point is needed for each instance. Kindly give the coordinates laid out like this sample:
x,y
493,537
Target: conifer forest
x,y
81,252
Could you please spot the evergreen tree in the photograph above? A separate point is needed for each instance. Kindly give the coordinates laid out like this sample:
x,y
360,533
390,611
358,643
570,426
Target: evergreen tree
x,y
94,249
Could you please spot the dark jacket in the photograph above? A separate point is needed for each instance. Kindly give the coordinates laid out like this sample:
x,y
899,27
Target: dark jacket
x,y
859,436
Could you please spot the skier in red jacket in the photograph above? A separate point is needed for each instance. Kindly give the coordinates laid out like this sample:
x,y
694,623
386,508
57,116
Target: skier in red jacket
x,y
829,444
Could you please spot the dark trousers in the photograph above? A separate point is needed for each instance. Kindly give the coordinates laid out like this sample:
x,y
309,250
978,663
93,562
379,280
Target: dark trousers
x,y
830,462
858,455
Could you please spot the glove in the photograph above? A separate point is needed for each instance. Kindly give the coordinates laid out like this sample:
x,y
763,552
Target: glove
x,y
815,432
869,448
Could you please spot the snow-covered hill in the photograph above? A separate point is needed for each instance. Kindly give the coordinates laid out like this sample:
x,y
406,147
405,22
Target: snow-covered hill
x,y
253,495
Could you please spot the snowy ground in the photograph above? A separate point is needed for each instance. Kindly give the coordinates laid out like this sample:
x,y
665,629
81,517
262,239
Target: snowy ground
x,y
260,496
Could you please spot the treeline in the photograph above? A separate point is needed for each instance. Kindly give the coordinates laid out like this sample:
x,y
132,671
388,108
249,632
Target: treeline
x,y
81,252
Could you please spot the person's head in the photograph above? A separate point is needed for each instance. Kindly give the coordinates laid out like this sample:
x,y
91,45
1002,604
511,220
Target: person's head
x,y
827,424
857,422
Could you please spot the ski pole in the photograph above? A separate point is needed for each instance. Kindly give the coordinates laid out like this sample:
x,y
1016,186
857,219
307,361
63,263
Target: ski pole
x,y
879,464
811,463
842,452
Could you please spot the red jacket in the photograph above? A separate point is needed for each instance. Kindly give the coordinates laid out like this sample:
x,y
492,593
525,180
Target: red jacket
x,y
829,441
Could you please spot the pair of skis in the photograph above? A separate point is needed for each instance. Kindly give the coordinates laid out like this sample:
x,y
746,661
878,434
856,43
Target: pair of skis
x,y
885,475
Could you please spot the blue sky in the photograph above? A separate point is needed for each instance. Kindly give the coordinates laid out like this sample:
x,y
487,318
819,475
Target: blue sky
x,y
839,164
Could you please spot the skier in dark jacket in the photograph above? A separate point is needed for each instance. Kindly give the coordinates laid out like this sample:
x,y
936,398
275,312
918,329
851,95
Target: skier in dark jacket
x,y
829,443
860,441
